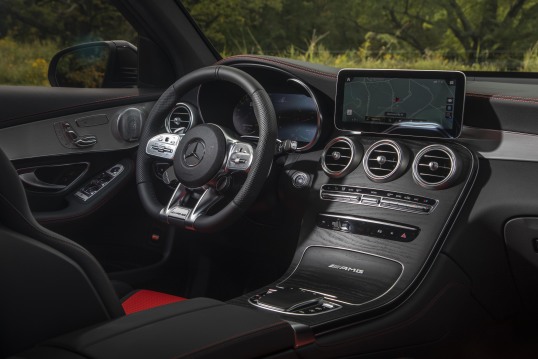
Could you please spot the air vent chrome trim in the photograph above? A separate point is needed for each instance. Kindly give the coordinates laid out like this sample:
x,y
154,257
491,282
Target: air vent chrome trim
x,y
354,158
189,111
401,162
319,117
450,177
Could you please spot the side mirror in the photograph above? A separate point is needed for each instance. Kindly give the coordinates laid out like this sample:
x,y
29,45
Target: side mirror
x,y
95,65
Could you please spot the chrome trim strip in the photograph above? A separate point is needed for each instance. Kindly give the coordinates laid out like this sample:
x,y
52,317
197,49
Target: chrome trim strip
x,y
319,117
501,145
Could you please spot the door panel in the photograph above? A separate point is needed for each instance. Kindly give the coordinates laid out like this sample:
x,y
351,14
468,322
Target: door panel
x,y
35,134
25,104
49,137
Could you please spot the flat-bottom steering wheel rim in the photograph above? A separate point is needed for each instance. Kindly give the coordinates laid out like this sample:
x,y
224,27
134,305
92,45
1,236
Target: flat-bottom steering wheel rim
x,y
263,156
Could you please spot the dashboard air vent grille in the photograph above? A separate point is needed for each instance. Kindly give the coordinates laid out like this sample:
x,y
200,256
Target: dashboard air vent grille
x,y
340,157
382,160
180,119
435,166
385,160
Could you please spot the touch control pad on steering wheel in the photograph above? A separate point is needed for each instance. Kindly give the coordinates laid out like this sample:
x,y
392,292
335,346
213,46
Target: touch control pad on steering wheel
x,y
163,145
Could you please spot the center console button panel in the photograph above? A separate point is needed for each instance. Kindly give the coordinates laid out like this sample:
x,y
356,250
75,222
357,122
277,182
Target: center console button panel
x,y
378,198
368,227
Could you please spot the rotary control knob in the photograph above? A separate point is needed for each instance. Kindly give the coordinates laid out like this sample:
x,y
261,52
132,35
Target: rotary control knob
x,y
300,180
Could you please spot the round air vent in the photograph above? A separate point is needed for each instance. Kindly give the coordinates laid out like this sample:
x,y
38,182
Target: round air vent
x,y
435,167
385,161
181,119
340,157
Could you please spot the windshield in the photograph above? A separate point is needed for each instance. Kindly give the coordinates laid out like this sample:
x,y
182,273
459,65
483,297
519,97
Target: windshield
x,y
468,35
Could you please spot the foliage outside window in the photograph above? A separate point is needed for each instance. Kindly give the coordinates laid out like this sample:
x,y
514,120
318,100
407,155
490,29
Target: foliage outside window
x,y
483,35
32,31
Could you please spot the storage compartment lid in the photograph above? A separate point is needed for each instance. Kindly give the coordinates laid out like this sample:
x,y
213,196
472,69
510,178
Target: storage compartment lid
x,y
346,276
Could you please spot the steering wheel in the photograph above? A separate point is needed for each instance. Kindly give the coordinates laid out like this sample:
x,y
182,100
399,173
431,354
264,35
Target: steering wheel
x,y
204,157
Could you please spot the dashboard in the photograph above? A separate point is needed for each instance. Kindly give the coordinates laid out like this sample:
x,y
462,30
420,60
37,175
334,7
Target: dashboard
x,y
376,204
392,217
297,106
297,117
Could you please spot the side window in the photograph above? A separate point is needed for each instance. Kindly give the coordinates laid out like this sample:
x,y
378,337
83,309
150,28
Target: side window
x,y
86,43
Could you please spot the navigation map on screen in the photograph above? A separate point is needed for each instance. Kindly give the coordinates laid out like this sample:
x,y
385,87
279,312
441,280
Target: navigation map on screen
x,y
394,100
391,101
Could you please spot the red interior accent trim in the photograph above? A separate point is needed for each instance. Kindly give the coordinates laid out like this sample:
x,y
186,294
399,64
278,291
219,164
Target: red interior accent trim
x,y
147,299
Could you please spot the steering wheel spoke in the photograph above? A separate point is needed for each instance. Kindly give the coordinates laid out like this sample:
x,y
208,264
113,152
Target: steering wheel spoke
x,y
187,204
163,145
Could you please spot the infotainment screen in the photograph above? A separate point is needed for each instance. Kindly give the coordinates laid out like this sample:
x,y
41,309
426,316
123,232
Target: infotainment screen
x,y
405,102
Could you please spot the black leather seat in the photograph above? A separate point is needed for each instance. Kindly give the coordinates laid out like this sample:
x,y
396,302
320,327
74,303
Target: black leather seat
x,y
49,284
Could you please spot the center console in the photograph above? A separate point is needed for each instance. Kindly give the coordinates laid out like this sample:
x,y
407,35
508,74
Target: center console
x,y
380,204
366,243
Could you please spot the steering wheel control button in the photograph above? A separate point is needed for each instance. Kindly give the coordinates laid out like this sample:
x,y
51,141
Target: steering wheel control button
x,y
163,146
97,183
373,197
240,157
368,227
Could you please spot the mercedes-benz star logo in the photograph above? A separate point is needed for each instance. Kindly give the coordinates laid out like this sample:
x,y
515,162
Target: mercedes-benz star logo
x,y
194,153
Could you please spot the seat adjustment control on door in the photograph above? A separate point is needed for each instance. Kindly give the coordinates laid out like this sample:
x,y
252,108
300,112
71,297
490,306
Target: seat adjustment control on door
x,y
70,138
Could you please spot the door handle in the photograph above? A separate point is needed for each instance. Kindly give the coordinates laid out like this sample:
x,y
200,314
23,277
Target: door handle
x,y
53,178
31,179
